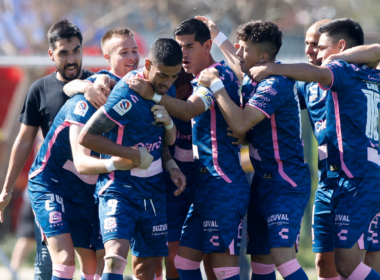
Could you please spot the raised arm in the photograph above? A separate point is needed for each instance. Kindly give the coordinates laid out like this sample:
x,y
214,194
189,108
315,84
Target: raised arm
x,y
299,72
366,54
239,120
88,165
92,138
225,46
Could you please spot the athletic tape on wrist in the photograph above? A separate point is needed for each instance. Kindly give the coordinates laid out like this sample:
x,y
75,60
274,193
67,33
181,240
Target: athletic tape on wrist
x,y
216,85
167,127
219,39
156,97
171,164
109,165
145,158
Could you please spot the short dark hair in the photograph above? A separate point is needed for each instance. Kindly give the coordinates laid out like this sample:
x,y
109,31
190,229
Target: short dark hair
x,y
193,26
116,32
63,29
165,51
344,28
262,32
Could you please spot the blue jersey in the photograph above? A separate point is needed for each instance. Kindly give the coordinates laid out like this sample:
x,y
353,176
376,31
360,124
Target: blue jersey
x,y
212,147
276,146
352,114
112,76
53,169
136,126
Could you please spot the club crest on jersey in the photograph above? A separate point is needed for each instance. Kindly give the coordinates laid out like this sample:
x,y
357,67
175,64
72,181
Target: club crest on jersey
x,y
123,106
110,223
81,108
55,217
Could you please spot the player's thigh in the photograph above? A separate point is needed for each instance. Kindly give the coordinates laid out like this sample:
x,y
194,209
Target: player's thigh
x,y
87,260
61,249
192,234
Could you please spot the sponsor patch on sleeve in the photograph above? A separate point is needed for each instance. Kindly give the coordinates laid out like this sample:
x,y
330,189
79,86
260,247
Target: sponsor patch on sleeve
x,y
81,108
123,106
207,97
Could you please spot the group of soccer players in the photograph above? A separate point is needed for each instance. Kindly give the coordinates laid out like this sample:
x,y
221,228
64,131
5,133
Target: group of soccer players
x,y
112,171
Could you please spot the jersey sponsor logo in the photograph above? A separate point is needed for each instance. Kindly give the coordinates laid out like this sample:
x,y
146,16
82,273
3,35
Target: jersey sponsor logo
x,y
151,146
283,232
110,223
183,136
262,97
214,239
122,107
55,217
210,224
342,218
320,125
81,108
278,217
160,230
340,234
267,89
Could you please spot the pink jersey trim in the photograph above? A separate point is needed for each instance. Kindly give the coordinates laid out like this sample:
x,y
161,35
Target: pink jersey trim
x,y
288,268
262,269
226,272
360,273
154,169
185,264
97,277
87,277
276,149
339,134
74,122
120,133
183,155
214,145
232,247
332,82
361,242
261,110
89,179
215,64
48,152
105,112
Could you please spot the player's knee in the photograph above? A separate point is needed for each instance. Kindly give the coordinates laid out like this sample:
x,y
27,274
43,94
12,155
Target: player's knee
x,y
65,258
115,264
322,263
145,269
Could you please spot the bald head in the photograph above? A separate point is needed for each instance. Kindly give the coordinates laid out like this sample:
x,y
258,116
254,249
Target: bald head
x,y
311,41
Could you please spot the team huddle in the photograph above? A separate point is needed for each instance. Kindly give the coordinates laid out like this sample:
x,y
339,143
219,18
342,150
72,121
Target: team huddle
x,y
148,159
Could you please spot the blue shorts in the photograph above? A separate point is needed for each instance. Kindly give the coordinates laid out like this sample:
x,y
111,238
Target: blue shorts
x,y
96,234
374,234
177,207
275,215
355,202
57,215
141,221
214,222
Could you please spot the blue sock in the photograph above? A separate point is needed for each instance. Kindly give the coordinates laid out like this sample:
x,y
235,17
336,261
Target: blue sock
x,y
298,275
373,275
189,274
270,276
112,276
59,278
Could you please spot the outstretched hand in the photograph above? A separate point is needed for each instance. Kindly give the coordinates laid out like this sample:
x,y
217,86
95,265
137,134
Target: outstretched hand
x,y
179,179
241,139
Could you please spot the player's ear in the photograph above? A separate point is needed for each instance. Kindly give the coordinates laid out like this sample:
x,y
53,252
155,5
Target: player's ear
x,y
51,56
263,57
148,64
108,58
342,45
207,45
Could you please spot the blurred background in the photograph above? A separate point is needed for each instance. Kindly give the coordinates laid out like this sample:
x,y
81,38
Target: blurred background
x,y
24,57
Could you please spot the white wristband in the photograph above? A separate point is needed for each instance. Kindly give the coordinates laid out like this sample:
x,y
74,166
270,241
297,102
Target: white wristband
x,y
170,164
156,97
219,39
167,127
216,85
109,165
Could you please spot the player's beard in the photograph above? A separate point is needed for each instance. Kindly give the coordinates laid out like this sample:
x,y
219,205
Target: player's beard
x,y
62,71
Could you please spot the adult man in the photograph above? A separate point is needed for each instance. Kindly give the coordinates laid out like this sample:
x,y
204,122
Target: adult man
x,y
214,222
356,195
140,193
43,101
272,109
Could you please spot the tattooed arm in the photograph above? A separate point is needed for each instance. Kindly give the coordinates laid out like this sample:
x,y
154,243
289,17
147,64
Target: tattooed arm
x,y
92,138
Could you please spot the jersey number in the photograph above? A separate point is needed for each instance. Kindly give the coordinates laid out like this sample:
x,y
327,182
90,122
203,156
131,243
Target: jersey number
x,y
51,199
372,114
112,203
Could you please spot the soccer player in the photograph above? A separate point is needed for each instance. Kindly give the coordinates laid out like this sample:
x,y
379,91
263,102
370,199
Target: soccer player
x,y
61,188
281,185
42,103
132,204
214,222
351,128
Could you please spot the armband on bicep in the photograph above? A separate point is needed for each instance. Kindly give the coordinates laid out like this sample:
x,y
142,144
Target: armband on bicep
x,y
207,97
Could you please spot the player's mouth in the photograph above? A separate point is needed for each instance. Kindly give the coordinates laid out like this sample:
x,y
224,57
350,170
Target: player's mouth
x,y
186,63
131,65
163,89
71,70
